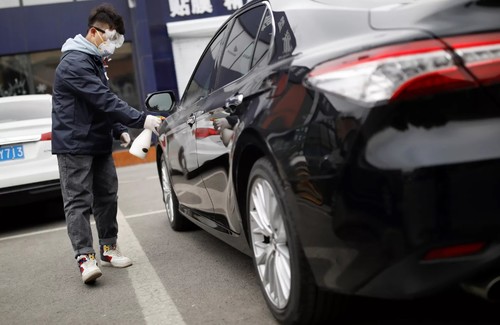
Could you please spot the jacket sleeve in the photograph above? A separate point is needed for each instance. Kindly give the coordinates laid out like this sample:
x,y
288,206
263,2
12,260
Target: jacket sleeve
x,y
118,129
84,82
232,120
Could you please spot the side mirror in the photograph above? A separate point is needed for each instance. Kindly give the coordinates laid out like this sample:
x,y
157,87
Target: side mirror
x,y
160,102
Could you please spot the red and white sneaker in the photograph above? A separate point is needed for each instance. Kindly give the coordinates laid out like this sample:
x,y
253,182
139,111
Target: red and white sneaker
x,y
88,268
111,256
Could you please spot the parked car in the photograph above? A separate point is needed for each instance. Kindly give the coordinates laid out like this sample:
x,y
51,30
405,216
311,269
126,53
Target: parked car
x,y
28,171
365,160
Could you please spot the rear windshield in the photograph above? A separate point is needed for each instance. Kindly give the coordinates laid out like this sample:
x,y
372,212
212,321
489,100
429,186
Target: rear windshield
x,y
28,110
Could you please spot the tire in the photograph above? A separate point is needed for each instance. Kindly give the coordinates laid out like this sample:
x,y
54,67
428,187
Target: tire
x,y
284,275
176,220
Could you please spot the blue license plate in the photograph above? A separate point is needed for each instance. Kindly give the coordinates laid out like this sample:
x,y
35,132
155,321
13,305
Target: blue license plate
x,y
11,153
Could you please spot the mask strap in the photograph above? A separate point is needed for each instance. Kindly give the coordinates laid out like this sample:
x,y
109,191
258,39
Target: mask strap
x,y
102,39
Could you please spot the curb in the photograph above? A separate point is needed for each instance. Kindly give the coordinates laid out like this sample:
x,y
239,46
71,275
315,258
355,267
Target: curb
x,y
124,158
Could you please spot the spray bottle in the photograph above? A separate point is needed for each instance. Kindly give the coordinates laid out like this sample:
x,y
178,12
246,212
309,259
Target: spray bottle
x,y
141,144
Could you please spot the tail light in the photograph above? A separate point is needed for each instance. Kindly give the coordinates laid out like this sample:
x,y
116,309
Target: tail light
x,y
454,251
412,69
480,54
46,136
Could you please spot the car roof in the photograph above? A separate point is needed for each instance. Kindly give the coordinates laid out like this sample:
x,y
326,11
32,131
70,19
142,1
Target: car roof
x,y
365,3
353,4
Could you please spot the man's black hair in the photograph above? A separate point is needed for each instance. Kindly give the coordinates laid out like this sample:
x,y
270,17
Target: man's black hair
x,y
105,13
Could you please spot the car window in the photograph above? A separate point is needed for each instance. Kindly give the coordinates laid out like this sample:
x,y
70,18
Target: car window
x,y
264,39
203,77
240,45
29,110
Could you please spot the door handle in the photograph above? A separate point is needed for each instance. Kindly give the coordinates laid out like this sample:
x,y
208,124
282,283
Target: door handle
x,y
191,119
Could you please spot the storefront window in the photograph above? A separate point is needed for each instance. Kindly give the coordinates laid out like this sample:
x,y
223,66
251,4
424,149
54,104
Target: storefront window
x,y
34,74
43,66
122,76
14,75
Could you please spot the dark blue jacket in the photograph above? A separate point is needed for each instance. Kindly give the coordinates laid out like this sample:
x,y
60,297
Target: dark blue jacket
x,y
86,114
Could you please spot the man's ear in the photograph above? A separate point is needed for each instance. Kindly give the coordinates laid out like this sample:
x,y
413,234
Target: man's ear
x,y
91,34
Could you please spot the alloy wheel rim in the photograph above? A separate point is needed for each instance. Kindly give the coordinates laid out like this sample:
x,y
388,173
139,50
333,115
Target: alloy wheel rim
x,y
167,191
269,242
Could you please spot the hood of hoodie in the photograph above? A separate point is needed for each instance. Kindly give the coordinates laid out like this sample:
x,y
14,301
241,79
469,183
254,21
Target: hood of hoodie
x,y
80,43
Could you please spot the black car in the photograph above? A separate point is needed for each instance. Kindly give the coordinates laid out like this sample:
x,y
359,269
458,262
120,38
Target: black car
x,y
352,148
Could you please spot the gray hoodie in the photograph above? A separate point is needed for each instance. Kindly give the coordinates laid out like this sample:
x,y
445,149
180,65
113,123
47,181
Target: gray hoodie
x,y
80,43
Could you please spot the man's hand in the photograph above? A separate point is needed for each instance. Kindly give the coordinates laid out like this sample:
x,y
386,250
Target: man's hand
x,y
220,124
124,139
152,123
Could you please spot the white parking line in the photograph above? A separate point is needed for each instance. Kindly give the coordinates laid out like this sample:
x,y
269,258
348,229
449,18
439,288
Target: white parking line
x,y
34,233
149,178
144,214
157,306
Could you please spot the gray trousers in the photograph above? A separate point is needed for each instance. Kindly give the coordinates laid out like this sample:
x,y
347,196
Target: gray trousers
x,y
89,186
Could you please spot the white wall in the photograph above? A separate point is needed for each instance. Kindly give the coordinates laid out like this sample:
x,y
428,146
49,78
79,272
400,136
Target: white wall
x,y
189,39
9,3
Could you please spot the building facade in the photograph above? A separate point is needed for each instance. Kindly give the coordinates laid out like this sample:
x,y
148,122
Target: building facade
x,y
163,41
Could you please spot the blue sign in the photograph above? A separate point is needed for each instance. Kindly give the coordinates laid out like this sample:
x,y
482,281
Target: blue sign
x,y
192,8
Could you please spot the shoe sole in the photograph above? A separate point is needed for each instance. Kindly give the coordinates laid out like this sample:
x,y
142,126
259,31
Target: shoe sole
x,y
90,278
109,264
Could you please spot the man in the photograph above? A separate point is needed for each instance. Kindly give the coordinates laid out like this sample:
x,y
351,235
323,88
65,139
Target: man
x,y
86,116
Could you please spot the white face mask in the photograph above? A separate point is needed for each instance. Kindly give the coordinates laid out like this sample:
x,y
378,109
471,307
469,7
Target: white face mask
x,y
113,41
106,49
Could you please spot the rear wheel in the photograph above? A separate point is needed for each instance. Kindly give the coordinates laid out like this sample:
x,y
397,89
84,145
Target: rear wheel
x,y
284,275
176,220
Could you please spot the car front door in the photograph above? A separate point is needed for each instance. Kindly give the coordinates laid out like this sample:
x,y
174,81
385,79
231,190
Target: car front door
x,y
237,82
183,134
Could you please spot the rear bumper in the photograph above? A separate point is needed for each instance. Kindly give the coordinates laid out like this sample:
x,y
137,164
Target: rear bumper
x,y
411,277
30,193
371,237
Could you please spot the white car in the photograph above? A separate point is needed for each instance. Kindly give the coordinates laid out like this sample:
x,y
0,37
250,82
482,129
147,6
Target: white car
x,y
28,170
